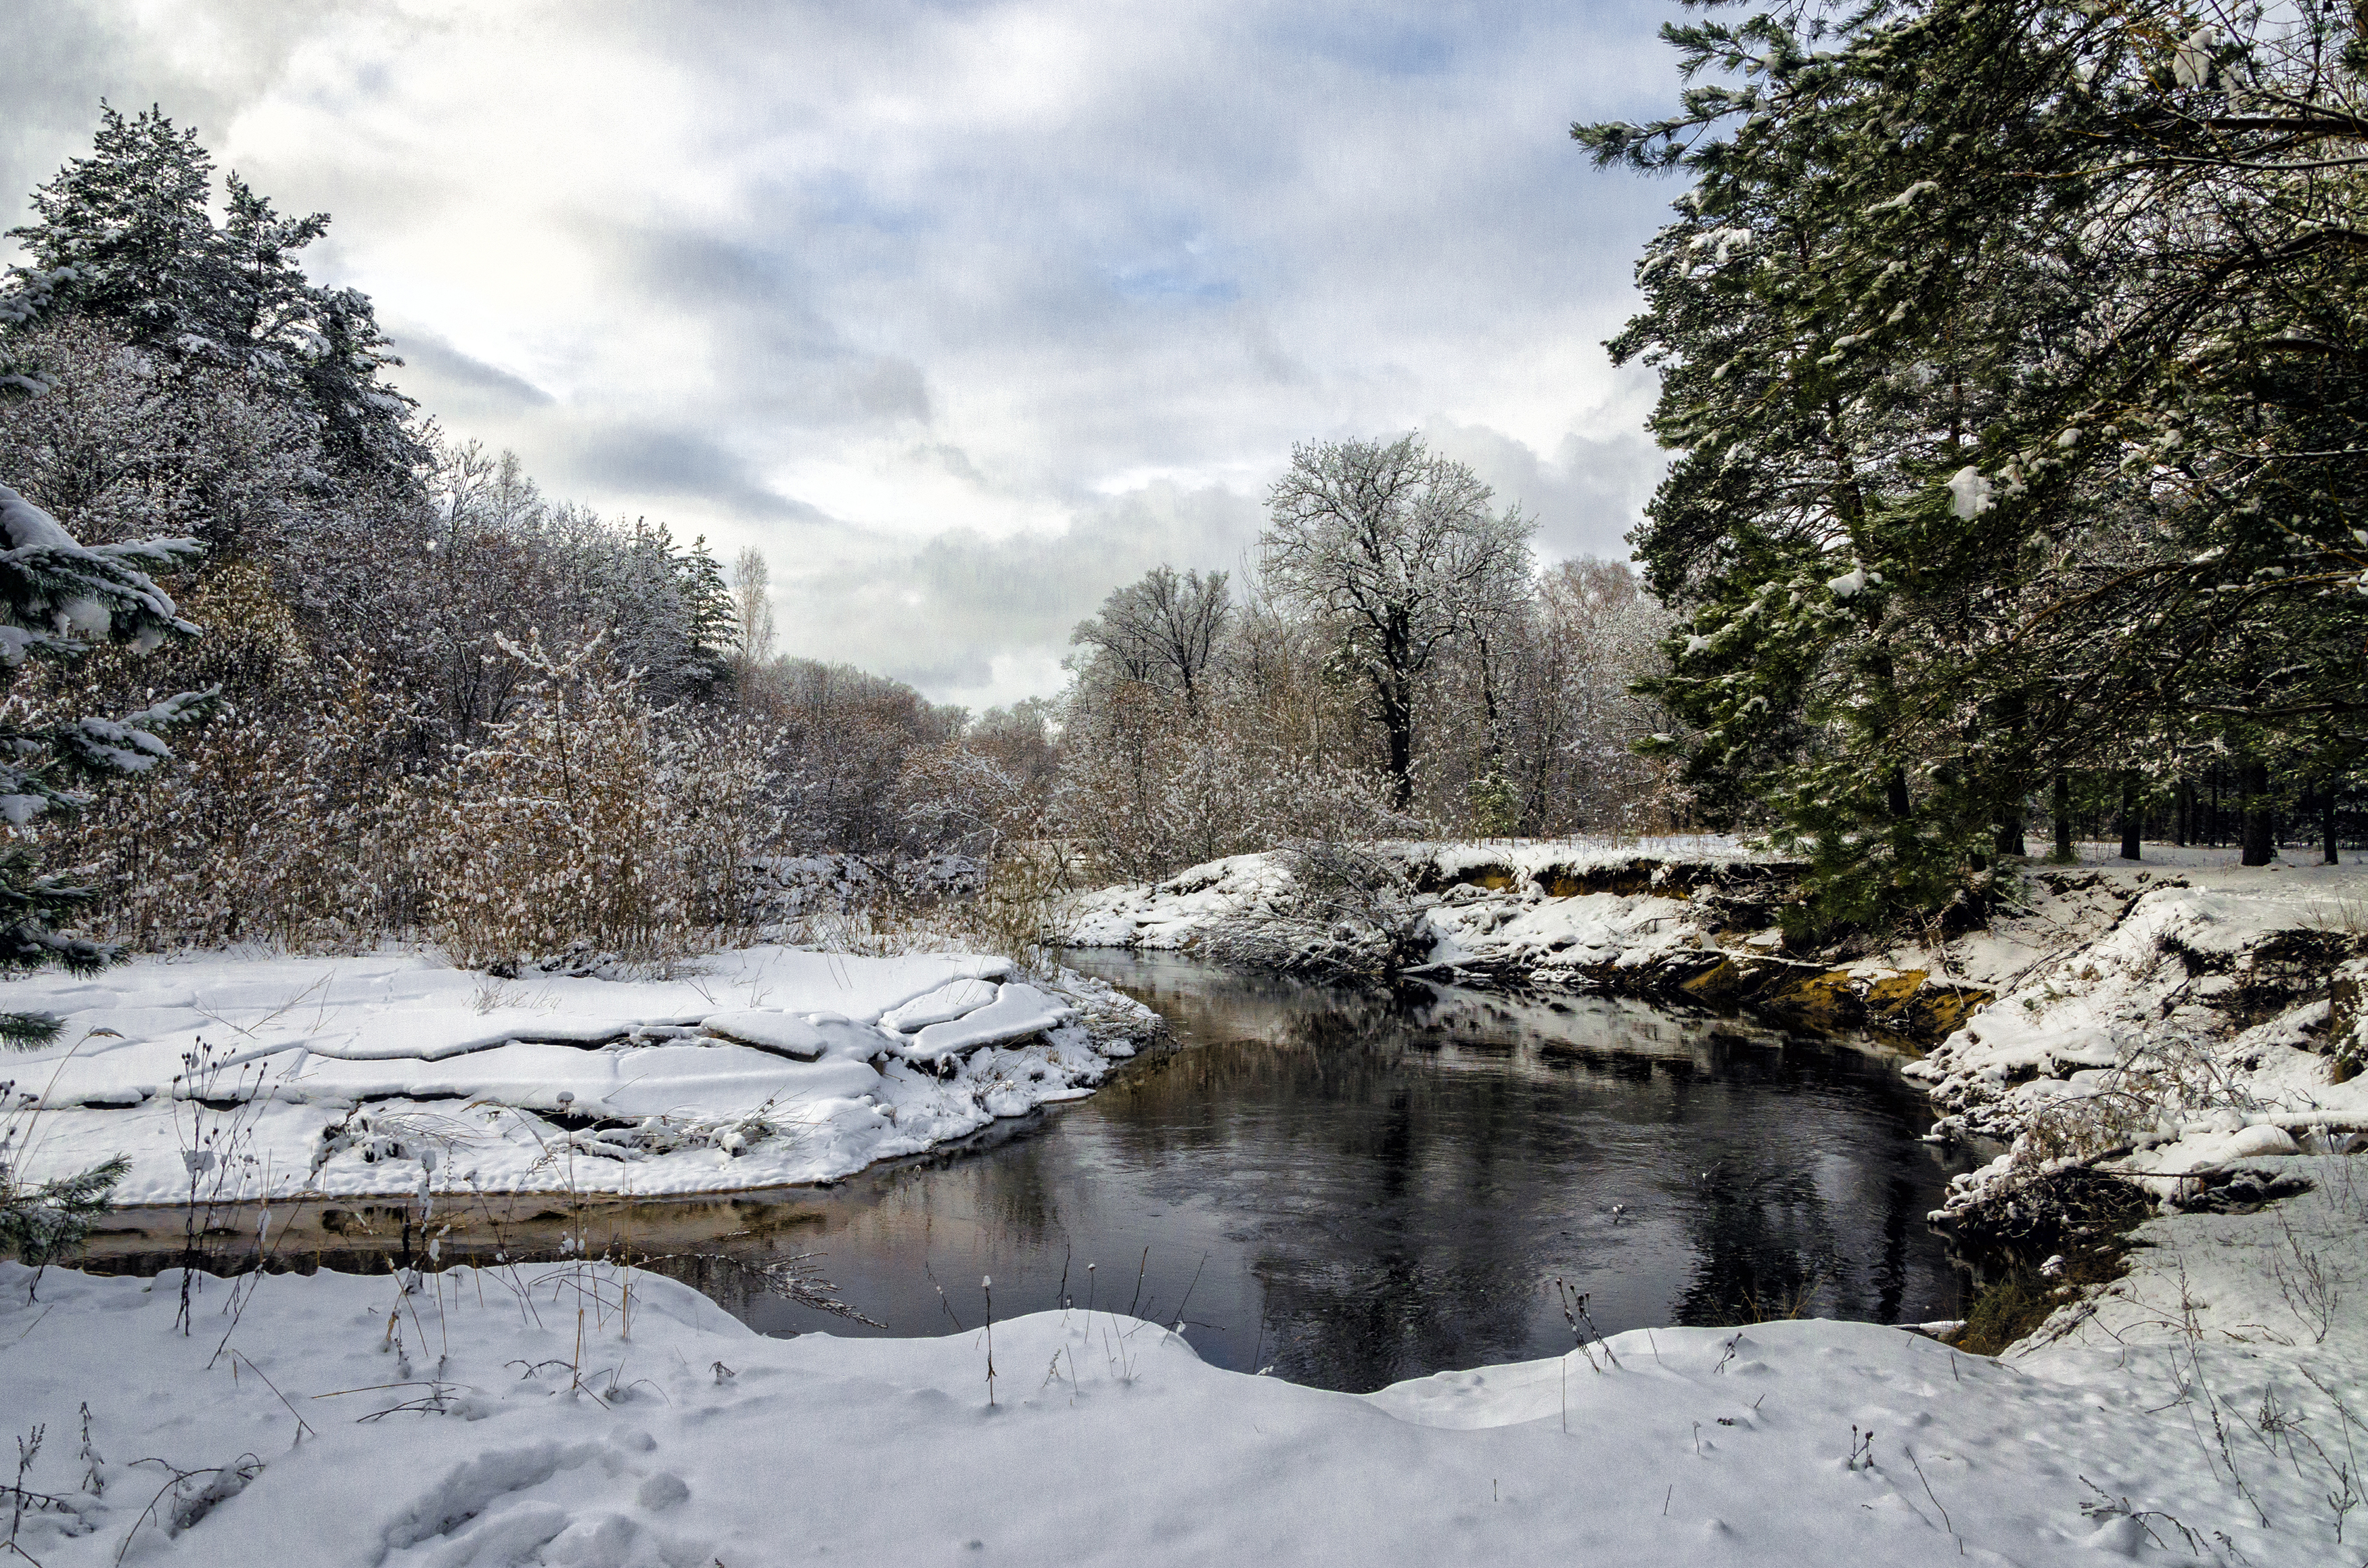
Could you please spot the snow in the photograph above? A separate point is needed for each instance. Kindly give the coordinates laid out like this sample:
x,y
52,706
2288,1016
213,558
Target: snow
x,y
2191,64
945,1003
2202,1408
585,1414
29,527
769,1066
1173,913
1564,938
1016,1012
2202,980
1970,494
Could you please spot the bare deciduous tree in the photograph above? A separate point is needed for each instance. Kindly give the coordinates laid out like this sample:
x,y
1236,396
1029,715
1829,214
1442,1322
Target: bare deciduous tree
x,y
752,608
1397,551
1164,627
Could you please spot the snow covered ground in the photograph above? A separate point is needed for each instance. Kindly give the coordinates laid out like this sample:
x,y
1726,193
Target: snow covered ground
x,y
2211,1406
579,1414
2163,1022
1173,914
236,1077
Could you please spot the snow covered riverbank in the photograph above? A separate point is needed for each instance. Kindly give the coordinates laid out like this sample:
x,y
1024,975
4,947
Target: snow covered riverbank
x,y
1687,920
2202,1408
583,1414
392,1074
2162,1020
2165,1023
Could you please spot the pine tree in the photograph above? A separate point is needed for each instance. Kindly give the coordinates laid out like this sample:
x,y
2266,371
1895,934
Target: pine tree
x,y
125,237
130,222
58,601
2010,349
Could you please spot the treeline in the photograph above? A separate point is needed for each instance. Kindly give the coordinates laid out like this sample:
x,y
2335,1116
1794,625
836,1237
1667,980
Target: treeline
x,y
443,703
1395,668
2013,354
448,703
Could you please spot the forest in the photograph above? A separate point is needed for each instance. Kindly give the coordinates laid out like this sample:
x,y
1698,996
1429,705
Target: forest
x,y
2010,354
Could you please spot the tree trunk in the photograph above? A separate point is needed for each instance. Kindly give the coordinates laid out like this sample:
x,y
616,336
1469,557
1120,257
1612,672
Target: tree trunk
x,y
2061,810
2253,781
1397,718
2182,804
2131,820
2334,853
1895,794
2010,831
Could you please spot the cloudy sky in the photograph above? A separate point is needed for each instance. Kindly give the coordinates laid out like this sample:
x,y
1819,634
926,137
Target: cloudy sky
x,y
963,314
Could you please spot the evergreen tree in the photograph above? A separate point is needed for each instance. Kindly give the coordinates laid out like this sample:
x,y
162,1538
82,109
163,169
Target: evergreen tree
x,y
130,222
2011,350
58,601
125,237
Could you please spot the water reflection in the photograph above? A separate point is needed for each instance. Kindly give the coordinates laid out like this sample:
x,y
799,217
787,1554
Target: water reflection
x,y
1353,1186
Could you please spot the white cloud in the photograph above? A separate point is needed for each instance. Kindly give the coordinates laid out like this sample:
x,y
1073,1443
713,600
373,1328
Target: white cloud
x,y
964,313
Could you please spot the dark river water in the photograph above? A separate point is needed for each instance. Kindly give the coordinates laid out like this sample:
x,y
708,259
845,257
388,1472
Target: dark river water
x,y
1351,1186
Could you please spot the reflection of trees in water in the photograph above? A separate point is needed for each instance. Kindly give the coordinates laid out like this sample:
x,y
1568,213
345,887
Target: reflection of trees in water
x,y
1361,1325
1770,1239
1763,1244
1023,1200
1788,1166
1395,1206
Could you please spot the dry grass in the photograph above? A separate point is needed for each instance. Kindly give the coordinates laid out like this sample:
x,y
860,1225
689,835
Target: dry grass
x,y
2012,1307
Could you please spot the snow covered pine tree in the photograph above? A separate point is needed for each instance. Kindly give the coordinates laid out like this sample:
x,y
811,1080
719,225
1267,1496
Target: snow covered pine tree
x,y
58,600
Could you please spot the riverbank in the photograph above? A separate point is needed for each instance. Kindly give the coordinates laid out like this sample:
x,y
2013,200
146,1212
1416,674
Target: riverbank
x,y
582,1413
2164,1025
2224,987
2202,1405
1351,1185
230,1078
1689,921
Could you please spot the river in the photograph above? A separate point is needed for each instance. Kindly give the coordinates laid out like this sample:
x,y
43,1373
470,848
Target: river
x,y
1347,1186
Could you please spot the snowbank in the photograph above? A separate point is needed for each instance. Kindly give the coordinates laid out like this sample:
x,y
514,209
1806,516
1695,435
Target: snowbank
x,y
582,1414
2198,1011
1684,920
392,1073
1175,913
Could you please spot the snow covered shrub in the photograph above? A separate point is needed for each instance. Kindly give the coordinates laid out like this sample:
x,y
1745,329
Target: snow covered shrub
x,y
284,823
2348,1020
1151,786
588,822
954,796
373,1133
1346,911
1012,913
2157,1083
